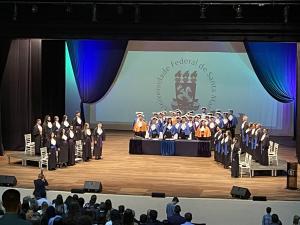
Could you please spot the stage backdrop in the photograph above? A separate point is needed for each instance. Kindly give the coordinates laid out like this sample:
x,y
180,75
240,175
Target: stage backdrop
x,y
166,75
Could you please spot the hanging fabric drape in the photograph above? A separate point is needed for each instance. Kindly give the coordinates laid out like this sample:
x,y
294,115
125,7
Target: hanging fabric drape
x,y
95,65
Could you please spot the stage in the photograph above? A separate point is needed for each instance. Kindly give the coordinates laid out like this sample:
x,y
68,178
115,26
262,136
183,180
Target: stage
x,y
123,173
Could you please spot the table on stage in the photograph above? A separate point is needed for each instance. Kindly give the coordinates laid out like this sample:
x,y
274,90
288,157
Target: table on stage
x,y
170,147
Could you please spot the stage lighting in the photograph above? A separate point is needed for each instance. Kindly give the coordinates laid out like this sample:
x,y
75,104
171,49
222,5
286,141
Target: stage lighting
x,y
238,11
137,14
34,9
15,13
202,12
94,18
286,14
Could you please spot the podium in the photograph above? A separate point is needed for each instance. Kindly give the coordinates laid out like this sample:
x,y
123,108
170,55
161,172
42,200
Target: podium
x,y
292,175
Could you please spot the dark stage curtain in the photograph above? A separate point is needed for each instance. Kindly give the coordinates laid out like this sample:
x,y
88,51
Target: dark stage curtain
x,y
95,65
4,50
275,65
298,105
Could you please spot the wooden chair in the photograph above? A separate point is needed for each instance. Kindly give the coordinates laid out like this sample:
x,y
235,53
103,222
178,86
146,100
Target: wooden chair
x,y
29,145
44,157
273,154
246,165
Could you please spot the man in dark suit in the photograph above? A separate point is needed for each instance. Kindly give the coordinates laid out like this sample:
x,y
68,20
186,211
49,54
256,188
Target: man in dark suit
x,y
40,186
176,219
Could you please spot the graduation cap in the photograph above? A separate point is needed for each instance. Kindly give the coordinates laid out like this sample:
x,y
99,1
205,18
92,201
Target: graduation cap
x,y
154,118
190,112
209,114
139,113
212,117
205,120
197,116
184,116
204,108
178,111
178,117
172,112
219,113
218,110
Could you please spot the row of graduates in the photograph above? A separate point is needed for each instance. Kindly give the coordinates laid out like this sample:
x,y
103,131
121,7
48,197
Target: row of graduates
x,y
186,126
63,141
255,140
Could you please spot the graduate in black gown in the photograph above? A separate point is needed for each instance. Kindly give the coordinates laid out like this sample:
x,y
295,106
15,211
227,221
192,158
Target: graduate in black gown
x,y
52,147
38,136
65,123
77,125
257,137
264,146
86,143
56,126
243,130
63,148
99,137
169,130
47,129
71,148
227,149
235,169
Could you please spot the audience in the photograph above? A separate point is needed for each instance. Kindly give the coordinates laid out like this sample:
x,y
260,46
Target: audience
x,y
188,218
11,203
267,218
170,207
74,212
176,219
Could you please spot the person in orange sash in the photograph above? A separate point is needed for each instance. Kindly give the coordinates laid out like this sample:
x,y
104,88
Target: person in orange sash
x,y
202,131
140,126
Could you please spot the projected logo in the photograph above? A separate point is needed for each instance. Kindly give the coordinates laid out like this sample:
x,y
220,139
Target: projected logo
x,y
193,88
185,89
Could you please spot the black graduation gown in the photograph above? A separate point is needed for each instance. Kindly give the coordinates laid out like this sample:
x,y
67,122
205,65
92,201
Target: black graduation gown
x,y
243,139
98,143
235,169
86,148
62,126
46,133
56,129
264,151
52,154
77,128
38,139
63,154
258,148
71,143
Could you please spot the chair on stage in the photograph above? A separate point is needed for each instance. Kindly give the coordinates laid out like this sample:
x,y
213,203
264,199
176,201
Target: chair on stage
x,y
78,151
44,157
273,153
29,145
246,165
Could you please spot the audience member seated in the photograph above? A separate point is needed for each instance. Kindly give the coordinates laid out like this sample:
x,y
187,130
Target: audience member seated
x,y
11,203
43,199
275,220
153,218
59,205
188,217
74,212
176,219
143,219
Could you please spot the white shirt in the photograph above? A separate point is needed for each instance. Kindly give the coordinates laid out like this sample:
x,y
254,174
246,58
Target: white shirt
x,y
71,134
41,200
53,141
263,137
57,124
153,127
169,126
226,139
78,120
243,124
212,125
66,123
183,126
99,131
88,132
64,137
177,125
49,124
40,128
230,117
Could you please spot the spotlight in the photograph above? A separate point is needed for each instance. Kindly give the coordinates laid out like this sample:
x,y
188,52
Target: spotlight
x,y
15,13
238,10
94,18
137,14
202,12
34,9
286,14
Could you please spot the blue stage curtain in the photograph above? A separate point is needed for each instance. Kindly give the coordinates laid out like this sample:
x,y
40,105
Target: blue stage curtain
x,y
275,66
95,65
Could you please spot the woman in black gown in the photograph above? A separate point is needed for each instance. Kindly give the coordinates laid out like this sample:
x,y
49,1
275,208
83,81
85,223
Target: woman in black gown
x,y
77,125
265,147
63,148
87,143
52,148
227,149
47,129
38,136
235,169
71,142
65,123
99,137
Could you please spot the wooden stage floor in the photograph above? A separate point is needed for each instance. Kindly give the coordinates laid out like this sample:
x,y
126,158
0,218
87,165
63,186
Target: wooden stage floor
x,y
121,173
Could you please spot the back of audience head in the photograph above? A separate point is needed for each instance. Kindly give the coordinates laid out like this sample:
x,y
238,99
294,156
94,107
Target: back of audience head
x,y
115,215
188,217
59,200
121,209
153,215
128,217
81,202
143,218
84,220
108,204
177,209
75,197
268,210
11,200
175,200
275,218
50,212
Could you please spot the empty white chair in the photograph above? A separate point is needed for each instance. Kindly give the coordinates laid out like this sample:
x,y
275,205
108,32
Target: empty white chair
x,y
44,157
78,151
29,145
246,165
273,154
